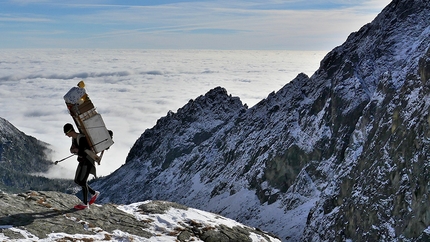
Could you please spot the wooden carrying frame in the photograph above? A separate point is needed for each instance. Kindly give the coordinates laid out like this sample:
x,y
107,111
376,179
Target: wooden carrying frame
x,y
90,123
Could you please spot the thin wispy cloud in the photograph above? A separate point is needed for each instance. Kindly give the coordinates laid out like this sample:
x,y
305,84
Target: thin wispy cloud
x,y
184,24
6,18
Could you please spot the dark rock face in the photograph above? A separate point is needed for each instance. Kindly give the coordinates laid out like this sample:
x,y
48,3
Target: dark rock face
x,y
424,67
339,155
380,191
21,152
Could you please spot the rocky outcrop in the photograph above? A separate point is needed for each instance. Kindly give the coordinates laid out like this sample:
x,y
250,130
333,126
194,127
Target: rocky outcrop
x,y
42,213
50,216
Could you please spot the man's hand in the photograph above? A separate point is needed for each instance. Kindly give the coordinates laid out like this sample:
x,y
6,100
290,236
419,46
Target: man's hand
x,y
93,156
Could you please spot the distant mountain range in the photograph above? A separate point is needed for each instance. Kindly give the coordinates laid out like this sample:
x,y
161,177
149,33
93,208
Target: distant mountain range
x,y
336,156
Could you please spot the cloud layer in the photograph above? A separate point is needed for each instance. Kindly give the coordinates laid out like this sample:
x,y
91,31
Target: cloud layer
x,y
132,89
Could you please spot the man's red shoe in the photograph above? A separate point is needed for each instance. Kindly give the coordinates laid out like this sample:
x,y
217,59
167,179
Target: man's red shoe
x,y
94,197
81,206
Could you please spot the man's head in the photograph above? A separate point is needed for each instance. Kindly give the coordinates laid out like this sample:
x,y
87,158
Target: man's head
x,y
68,128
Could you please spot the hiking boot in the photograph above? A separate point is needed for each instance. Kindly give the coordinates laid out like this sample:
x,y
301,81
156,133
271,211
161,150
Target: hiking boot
x,y
94,197
81,206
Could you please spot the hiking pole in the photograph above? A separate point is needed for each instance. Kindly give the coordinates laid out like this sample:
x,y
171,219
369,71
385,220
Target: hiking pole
x,y
56,162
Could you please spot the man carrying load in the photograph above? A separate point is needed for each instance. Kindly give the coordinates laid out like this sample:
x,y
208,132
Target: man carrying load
x,y
93,138
86,166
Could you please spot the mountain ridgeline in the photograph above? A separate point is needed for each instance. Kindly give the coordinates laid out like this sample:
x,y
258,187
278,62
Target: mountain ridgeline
x,y
21,156
340,155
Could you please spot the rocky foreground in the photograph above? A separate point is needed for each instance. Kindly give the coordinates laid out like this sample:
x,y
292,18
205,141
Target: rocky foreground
x,y
49,216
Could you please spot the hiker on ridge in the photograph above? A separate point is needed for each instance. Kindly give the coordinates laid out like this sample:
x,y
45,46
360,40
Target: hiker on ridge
x,y
86,165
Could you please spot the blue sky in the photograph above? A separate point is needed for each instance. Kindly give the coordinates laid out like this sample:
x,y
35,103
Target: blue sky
x,y
177,24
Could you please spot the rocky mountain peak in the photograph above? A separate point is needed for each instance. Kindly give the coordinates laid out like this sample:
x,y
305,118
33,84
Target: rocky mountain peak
x,y
341,155
216,104
190,126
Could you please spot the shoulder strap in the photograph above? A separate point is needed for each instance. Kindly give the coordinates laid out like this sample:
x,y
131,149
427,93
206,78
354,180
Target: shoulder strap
x,y
79,137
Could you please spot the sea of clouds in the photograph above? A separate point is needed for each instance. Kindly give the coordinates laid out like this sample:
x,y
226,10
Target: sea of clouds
x,y
131,89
